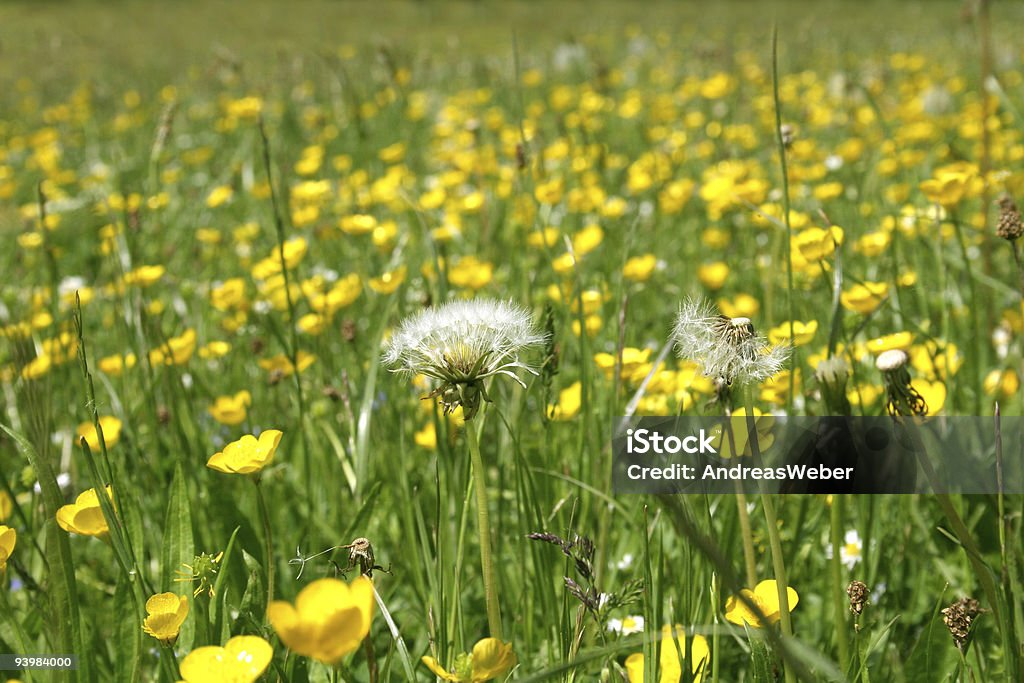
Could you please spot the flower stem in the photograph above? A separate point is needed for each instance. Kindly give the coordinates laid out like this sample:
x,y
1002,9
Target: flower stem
x,y
484,524
774,539
268,540
779,567
741,511
785,211
838,611
747,535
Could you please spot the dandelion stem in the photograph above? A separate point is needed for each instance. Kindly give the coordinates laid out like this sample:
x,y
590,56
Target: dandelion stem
x,y
268,540
484,523
748,537
774,539
749,561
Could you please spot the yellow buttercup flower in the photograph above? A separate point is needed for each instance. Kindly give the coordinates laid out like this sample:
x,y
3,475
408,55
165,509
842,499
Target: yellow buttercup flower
x,y
242,660
247,455
111,427
165,613
671,651
491,658
231,410
329,619
85,516
766,596
8,538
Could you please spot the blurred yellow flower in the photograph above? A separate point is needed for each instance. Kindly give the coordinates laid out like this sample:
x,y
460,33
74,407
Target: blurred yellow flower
x,y
815,244
85,516
231,410
569,401
144,276
933,393
116,364
248,454
214,349
426,437
243,659
388,282
491,658
6,506
897,340
634,361
111,427
803,332
165,613
469,272
176,351
587,239
639,268
763,424
671,650
740,306
281,365
219,196
1001,383
358,224
8,538
713,275
329,620
864,298
766,596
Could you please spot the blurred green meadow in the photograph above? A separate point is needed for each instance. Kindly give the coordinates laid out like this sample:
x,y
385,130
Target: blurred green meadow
x,y
216,216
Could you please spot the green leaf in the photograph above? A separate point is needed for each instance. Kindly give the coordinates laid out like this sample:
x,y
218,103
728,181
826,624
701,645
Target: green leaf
x,y
255,591
934,656
179,548
127,646
761,659
217,621
64,593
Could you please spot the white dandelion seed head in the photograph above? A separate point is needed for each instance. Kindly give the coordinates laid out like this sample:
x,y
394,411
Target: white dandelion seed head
x,y
890,360
726,348
464,341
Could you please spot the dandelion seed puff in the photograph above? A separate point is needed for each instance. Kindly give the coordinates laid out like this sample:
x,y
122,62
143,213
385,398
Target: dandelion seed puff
x,y
726,348
462,343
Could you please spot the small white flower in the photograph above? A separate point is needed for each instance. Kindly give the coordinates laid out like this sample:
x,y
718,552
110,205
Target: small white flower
x,y
851,552
626,562
627,626
63,482
726,348
833,162
462,343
